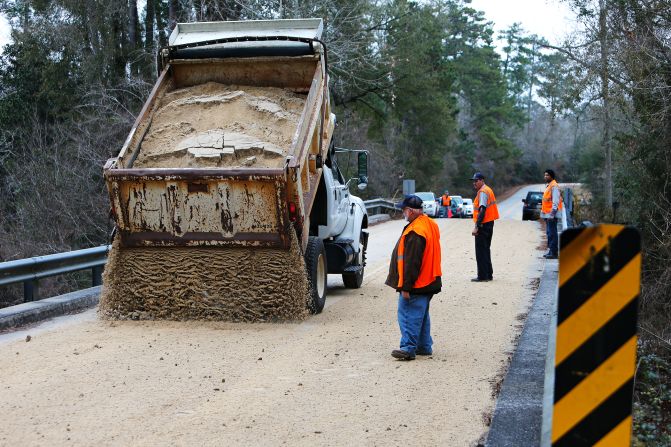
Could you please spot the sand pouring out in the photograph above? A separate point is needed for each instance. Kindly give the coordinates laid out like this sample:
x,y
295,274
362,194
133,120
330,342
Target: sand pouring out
x,y
204,283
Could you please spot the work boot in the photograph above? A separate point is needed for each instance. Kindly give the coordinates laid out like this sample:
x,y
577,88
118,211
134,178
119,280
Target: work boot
x,y
402,355
480,279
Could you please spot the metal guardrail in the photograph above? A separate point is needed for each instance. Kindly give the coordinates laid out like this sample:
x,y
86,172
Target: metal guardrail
x,y
30,270
379,206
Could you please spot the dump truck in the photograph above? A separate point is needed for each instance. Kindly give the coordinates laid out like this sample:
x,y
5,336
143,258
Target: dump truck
x,y
227,197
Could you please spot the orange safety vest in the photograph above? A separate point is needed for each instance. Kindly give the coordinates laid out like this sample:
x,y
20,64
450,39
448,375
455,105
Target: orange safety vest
x,y
446,200
491,211
546,206
427,228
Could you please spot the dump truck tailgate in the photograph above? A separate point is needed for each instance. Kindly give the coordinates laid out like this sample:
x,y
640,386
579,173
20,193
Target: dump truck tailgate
x,y
178,207
270,114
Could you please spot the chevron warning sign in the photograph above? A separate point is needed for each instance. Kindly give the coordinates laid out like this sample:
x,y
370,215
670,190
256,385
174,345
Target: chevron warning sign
x,y
599,285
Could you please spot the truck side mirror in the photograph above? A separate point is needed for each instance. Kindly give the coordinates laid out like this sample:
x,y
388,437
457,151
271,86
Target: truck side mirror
x,y
362,163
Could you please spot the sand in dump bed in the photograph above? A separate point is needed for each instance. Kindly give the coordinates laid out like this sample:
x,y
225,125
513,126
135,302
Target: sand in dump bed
x,y
217,125
204,283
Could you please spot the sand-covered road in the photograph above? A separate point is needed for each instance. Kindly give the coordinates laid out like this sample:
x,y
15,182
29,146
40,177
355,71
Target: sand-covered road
x,y
328,380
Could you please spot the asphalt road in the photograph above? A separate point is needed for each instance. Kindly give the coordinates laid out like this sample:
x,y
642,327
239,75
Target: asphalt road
x,y
511,208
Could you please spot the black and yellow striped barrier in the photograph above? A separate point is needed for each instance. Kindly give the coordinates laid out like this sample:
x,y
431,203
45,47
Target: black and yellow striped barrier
x,y
599,285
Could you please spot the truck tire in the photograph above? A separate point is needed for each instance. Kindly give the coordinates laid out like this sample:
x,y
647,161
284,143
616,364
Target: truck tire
x,y
315,264
354,280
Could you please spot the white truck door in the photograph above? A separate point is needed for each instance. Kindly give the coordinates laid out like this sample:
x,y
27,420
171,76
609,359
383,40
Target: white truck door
x,y
341,200
336,218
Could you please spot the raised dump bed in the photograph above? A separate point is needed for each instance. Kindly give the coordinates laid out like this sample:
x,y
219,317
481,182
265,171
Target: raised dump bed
x,y
227,152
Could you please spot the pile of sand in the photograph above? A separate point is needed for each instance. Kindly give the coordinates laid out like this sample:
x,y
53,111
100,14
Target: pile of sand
x,y
204,283
217,125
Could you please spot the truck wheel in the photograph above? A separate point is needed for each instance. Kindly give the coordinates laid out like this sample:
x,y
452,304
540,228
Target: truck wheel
x,y
315,264
354,280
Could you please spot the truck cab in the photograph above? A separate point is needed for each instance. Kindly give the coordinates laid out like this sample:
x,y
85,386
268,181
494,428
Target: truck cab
x,y
339,218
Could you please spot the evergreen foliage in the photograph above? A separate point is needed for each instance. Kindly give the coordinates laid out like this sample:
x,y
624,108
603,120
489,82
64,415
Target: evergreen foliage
x,y
419,84
621,65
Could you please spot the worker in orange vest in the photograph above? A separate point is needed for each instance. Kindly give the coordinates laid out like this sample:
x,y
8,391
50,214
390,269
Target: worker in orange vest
x,y
485,212
551,209
446,202
414,272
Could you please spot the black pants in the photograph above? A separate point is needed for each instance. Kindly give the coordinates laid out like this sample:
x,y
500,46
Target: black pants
x,y
483,255
553,238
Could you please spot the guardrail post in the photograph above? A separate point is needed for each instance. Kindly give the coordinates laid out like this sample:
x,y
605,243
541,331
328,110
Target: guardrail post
x,y
30,290
568,207
96,276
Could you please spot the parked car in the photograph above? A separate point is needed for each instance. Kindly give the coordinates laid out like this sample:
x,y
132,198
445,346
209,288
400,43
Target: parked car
x,y
429,203
467,208
457,206
532,205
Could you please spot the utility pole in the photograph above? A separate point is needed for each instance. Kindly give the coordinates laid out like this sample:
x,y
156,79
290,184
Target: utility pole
x,y
532,77
605,94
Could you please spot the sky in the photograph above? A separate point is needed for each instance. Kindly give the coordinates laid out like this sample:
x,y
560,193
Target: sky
x,y
4,30
551,19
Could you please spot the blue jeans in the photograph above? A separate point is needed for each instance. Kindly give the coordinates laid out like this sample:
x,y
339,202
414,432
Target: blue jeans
x,y
553,239
415,324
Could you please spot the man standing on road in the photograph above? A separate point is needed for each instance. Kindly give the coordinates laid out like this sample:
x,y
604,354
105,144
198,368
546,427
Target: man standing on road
x,y
485,212
414,271
445,202
551,209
